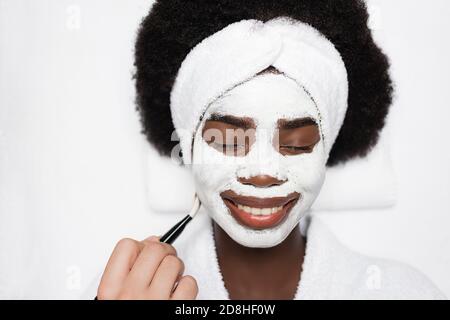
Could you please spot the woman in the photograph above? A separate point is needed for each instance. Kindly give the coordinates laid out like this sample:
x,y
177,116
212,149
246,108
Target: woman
x,y
263,96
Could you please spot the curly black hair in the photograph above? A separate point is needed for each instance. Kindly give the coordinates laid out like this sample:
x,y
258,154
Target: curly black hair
x,y
173,27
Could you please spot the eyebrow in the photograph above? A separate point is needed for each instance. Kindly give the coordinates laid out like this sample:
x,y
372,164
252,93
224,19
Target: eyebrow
x,y
296,123
244,123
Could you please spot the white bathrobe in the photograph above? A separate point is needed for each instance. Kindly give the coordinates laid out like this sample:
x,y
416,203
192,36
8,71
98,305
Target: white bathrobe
x,y
330,269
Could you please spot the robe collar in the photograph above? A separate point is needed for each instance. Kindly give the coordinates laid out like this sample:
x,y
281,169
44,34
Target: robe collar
x,y
196,247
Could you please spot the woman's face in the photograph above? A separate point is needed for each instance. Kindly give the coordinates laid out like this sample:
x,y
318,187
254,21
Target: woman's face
x,y
259,159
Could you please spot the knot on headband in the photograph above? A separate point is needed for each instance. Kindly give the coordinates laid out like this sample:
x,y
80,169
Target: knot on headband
x,y
243,49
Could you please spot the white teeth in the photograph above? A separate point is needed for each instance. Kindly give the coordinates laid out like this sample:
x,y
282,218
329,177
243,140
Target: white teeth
x,y
259,211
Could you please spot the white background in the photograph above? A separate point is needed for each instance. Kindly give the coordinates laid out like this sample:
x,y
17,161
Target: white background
x,y
72,160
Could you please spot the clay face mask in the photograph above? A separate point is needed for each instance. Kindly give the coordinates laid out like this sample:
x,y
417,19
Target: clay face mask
x,y
220,77
262,213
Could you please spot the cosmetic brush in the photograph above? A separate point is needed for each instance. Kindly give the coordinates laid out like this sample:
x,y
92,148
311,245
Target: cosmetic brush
x,y
171,235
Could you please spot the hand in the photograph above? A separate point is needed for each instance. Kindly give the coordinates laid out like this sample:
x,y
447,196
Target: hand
x,y
145,270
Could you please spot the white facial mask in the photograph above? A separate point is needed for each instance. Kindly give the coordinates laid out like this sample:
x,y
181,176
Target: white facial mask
x,y
266,99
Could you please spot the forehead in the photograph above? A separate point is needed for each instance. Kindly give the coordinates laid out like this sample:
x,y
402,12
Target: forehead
x,y
266,99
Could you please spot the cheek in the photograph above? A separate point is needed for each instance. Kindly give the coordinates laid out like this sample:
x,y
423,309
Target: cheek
x,y
212,170
306,172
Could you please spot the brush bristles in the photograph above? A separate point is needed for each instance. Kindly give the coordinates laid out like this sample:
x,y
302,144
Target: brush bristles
x,y
195,207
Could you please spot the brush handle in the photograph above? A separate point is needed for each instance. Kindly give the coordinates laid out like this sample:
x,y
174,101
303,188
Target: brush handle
x,y
170,236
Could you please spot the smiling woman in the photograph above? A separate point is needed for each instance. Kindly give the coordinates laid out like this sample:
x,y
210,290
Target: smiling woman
x,y
264,96
282,167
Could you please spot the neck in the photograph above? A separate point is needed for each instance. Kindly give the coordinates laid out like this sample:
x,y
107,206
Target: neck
x,y
260,273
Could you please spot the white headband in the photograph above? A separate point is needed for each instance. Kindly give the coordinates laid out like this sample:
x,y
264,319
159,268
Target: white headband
x,y
241,50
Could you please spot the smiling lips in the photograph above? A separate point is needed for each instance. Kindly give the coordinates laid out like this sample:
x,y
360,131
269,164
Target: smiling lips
x,y
259,213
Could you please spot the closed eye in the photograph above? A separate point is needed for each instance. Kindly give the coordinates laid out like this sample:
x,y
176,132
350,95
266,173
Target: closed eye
x,y
227,146
296,136
295,150
229,149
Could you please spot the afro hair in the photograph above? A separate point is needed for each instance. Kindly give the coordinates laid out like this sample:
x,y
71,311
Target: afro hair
x,y
173,27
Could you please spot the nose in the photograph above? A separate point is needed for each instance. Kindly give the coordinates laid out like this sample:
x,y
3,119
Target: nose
x,y
261,181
